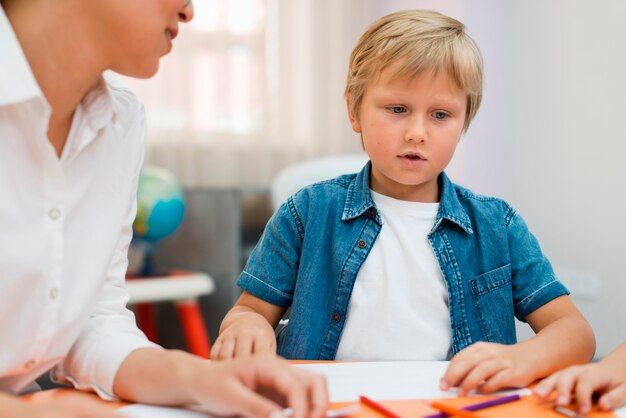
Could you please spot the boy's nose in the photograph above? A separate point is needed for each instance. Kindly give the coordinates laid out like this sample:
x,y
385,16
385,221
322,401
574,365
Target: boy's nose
x,y
415,130
186,14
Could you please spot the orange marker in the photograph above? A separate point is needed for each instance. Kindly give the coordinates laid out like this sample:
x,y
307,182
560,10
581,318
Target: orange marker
x,y
452,411
378,407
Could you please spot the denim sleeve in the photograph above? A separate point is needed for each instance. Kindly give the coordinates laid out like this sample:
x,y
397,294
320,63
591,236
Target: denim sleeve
x,y
271,271
534,281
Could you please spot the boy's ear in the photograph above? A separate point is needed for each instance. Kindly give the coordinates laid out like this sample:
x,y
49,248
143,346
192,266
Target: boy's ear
x,y
354,121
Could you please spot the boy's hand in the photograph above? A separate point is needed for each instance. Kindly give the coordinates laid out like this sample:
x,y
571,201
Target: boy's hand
x,y
256,387
488,367
247,333
579,383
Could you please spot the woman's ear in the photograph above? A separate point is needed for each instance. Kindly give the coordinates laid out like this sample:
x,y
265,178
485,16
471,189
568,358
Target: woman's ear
x,y
354,120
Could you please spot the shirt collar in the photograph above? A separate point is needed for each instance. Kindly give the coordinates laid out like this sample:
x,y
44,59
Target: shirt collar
x,y
98,105
95,111
359,200
17,82
450,207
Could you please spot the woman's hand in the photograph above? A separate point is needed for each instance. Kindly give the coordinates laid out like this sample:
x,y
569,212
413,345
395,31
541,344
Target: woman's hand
x,y
76,405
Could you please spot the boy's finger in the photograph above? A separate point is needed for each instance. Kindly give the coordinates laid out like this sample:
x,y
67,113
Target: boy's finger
x,y
614,398
497,381
215,349
458,368
259,347
565,386
243,347
478,375
227,350
546,386
584,391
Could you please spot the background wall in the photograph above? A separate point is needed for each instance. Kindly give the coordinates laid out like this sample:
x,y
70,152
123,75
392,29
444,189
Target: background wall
x,y
551,139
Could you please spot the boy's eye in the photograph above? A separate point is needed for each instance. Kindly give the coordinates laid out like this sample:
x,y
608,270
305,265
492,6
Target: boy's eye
x,y
440,115
397,109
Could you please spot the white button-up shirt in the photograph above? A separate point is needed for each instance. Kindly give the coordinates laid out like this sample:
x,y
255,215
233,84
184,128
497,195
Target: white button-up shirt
x,y
65,227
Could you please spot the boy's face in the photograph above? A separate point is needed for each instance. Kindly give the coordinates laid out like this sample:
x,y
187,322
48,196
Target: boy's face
x,y
138,33
410,128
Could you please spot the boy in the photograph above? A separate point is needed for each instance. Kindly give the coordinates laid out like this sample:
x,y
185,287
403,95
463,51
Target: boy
x,y
578,383
397,262
70,153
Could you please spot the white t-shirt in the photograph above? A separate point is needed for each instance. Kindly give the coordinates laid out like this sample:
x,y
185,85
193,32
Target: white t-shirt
x,y
399,305
65,227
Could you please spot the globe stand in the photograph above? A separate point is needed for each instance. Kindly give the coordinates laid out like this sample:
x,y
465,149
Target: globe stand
x,y
145,264
150,267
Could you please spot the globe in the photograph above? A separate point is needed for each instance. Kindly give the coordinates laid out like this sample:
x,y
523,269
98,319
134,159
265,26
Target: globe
x,y
160,211
160,204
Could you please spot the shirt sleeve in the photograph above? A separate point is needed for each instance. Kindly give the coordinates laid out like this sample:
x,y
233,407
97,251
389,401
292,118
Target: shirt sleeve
x,y
534,280
272,269
110,334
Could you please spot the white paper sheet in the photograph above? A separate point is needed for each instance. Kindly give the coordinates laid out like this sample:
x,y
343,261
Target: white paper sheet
x,y
386,380
149,411
621,412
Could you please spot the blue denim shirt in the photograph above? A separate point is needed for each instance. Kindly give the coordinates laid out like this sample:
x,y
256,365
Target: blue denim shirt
x,y
314,245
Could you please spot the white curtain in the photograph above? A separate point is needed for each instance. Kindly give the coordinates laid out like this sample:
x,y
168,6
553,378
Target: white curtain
x,y
255,85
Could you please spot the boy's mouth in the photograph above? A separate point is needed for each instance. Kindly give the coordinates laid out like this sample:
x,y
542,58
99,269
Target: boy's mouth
x,y
412,156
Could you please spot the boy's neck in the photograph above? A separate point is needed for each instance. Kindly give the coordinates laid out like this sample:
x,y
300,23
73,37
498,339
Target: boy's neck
x,y
423,193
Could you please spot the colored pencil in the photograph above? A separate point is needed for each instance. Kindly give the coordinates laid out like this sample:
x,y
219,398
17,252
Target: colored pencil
x,y
481,405
378,407
452,411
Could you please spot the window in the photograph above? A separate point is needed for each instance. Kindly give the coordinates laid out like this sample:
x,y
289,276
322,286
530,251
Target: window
x,y
250,87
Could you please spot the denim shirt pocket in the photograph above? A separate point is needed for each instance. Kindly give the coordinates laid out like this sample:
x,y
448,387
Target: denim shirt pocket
x,y
493,296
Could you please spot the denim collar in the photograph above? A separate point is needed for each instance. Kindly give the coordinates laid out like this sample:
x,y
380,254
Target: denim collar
x,y
450,207
359,201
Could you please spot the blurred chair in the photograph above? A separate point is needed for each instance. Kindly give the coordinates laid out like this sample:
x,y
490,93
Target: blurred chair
x,y
183,288
296,176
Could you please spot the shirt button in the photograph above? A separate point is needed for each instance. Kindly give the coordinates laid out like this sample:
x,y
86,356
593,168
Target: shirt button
x,y
336,317
54,293
54,213
30,363
371,212
361,243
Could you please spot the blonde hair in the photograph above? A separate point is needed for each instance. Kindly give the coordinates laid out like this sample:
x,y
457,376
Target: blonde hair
x,y
421,40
